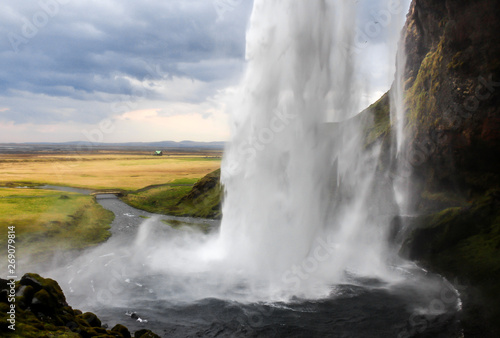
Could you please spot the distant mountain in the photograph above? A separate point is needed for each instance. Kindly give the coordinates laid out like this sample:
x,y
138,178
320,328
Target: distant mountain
x,y
160,144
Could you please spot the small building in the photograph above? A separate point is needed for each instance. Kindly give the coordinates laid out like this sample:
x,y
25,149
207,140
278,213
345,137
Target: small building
x,y
158,153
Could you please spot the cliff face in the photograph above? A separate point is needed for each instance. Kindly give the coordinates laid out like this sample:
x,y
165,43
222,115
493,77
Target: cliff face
x,y
452,86
452,95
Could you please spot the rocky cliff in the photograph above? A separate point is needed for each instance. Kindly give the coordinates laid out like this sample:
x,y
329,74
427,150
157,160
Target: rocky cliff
x,y
452,95
452,85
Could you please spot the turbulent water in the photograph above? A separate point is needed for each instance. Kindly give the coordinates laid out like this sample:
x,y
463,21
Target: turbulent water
x,y
303,248
298,212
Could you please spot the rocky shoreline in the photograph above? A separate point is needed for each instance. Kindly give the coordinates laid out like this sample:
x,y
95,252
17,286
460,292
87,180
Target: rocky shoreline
x,y
36,307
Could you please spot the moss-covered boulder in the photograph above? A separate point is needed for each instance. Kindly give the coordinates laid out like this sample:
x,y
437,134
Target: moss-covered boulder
x,y
145,334
41,310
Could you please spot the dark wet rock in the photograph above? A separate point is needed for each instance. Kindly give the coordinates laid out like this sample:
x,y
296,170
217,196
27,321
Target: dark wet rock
x,y
4,284
31,280
91,319
122,330
452,96
4,290
42,311
145,334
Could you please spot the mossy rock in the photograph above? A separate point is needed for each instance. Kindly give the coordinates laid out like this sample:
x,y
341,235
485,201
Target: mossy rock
x,y
91,319
45,313
24,296
121,330
463,244
145,334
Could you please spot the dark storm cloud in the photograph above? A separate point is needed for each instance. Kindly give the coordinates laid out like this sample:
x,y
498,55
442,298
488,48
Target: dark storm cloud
x,y
92,50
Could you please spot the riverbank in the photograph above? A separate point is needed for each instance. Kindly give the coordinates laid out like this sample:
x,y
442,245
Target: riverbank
x,y
50,221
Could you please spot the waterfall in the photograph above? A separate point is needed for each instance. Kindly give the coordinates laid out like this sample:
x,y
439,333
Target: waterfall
x,y
299,211
402,168
398,119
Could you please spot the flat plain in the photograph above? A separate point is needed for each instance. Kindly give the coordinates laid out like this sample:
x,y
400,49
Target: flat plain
x,y
49,221
104,170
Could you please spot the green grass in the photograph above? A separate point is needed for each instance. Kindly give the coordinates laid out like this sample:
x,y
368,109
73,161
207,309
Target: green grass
x,y
157,200
381,124
178,225
190,181
198,200
47,221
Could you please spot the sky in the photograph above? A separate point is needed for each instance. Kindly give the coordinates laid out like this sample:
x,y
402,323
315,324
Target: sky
x,y
153,70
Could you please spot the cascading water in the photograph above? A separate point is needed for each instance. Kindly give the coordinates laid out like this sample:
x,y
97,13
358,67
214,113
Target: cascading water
x,y
298,189
303,246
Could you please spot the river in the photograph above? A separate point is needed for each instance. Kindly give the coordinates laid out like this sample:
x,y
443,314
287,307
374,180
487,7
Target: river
x,y
114,281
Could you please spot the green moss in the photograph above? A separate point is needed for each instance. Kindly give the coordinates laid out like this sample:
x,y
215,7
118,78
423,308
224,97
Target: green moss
x,y
178,225
121,330
464,243
421,97
50,316
378,115
456,62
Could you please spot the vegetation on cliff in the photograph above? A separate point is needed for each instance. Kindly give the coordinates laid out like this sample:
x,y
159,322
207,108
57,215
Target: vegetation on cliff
x,y
452,100
203,199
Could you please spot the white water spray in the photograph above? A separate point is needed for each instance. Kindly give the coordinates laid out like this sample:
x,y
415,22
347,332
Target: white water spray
x,y
297,214
303,211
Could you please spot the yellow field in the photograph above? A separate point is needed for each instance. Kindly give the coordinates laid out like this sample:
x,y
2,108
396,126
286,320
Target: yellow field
x,y
48,221
97,171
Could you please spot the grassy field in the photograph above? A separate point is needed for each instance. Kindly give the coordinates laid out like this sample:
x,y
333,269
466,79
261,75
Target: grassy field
x,y
47,221
99,171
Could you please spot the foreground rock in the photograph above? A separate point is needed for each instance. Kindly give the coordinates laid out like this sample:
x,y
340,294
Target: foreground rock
x,y
41,310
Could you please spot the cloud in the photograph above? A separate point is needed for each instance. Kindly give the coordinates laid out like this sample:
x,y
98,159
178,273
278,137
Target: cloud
x,y
76,62
82,56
